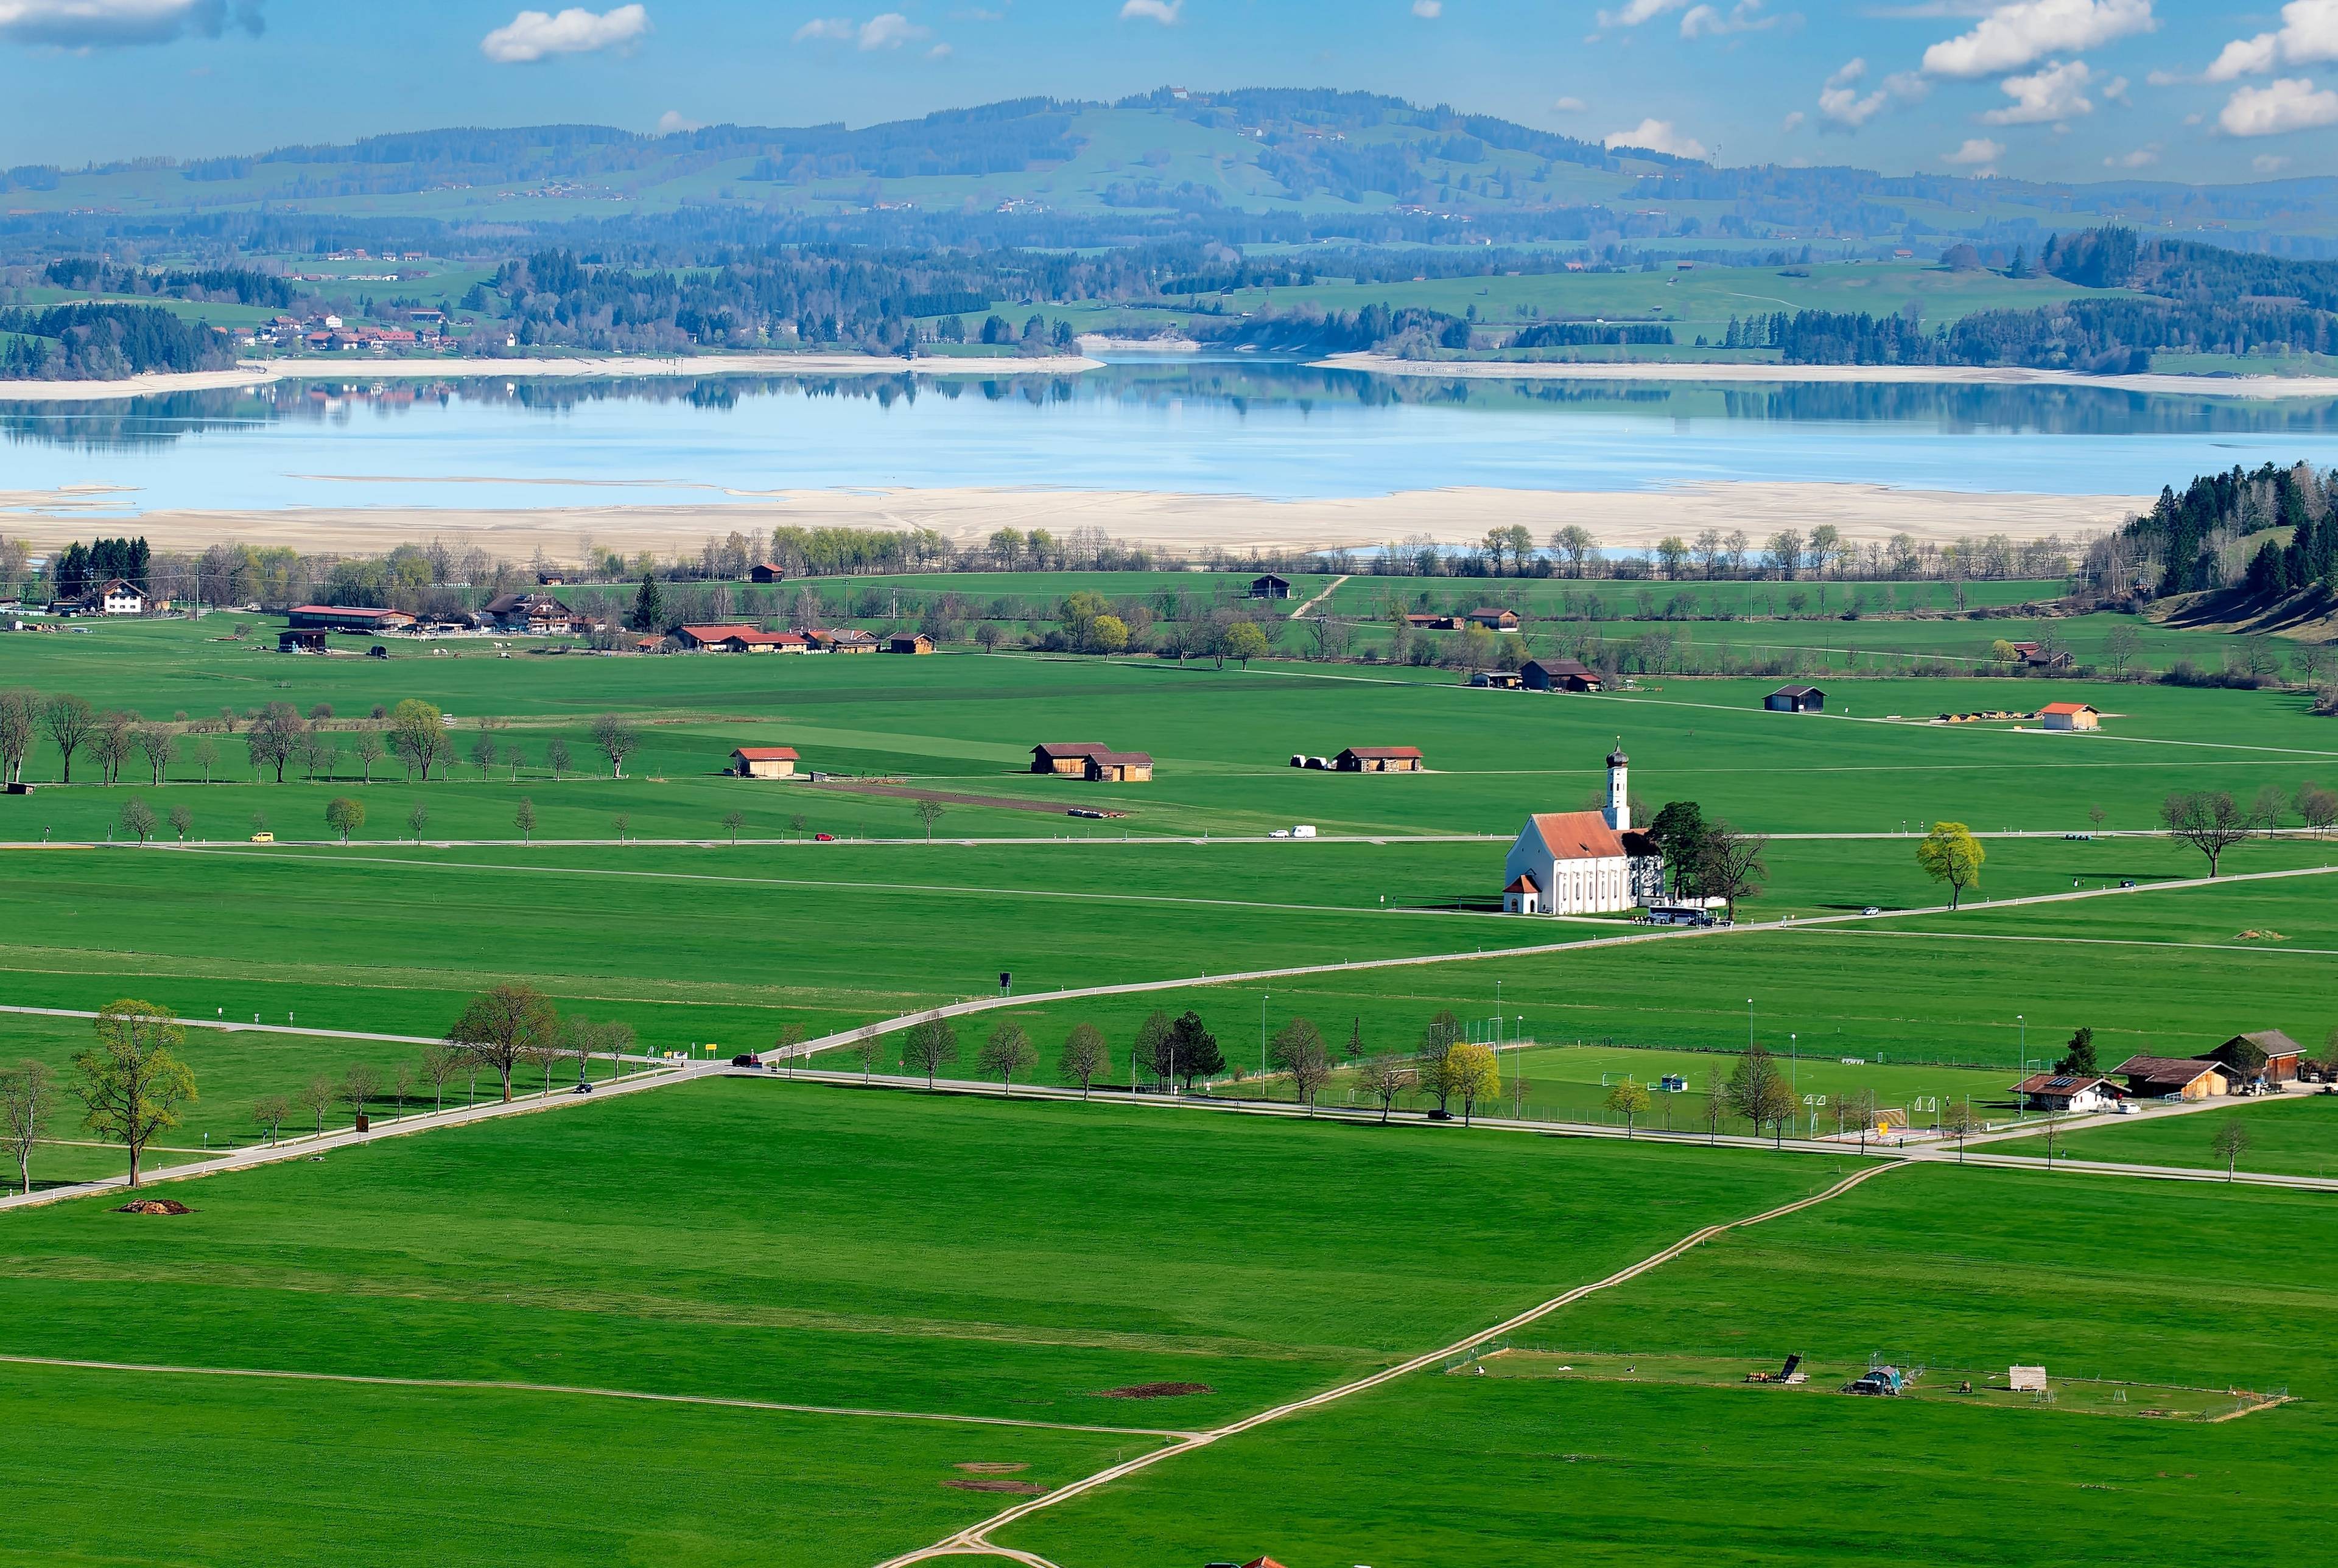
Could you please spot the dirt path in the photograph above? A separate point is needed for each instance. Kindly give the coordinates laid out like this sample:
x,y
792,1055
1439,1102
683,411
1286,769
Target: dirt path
x,y
580,1391
974,1540
911,792
1300,613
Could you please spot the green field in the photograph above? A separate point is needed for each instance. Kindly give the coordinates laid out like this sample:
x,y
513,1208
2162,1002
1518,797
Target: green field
x,y
2292,1136
1933,1267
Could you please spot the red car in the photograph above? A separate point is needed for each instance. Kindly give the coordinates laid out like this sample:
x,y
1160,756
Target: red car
x,y
823,838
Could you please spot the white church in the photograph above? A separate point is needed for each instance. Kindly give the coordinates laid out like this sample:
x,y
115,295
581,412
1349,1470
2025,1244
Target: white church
x,y
1585,862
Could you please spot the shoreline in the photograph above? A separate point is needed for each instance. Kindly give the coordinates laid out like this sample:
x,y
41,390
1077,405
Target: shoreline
x,y
263,373
2265,387
1172,521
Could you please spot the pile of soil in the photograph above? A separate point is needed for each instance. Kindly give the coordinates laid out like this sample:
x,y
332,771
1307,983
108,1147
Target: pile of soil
x,y
154,1206
990,1468
1019,1488
1155,1391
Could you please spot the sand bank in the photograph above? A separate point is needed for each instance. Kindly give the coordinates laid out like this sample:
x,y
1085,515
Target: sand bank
x,y
2252,387
1179,522
361,367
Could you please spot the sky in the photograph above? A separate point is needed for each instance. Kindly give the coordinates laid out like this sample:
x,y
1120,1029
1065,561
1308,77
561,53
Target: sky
x,y
2183,90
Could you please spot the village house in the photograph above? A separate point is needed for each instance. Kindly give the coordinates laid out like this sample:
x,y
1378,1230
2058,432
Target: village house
x,y
2069,1093
537,614
1379,760
2174,1077
1584,862
114,597
2071,716
347,618
1795,700
844,640
764,762
1558,675
2035,657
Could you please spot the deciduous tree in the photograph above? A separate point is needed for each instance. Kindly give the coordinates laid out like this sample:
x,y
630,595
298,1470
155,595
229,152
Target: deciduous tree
x,y
1386,1079
1730,867
418,734
1086,1057
930,812
359,1087
344,816
929,1047
616,738
20,715
138,818
440,1062
158,746
2231,1142
1298,1049
524,818
269,1111
2209,820
1629,1100
70,721
1473,1075
1958,1120
1437,1042
1008,1051
1950,854
28,1098
182,822
316,1097
501,1025
131,1081
371,749
275,738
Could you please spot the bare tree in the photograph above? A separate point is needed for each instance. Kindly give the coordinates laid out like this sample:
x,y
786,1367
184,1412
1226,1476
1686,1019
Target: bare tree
x,y
1086,1057
502,1025
440,1062
2207,819
732,822
1386,1079
182,822
1958,1120
2232,1141
70,721
928,1047
371,749
866,1051
1298,1049
1730,867
28,1098
555,755
615,738
158,746
930,812
1007,1052
359,1087
20,715
269,1111
316,1097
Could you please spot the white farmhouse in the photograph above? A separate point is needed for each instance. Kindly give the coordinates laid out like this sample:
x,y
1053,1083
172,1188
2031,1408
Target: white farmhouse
x,y
1584,862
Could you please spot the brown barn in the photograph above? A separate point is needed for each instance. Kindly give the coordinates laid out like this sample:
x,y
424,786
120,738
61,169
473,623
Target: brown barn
x,y
1379,760
2267,1053
1068,759
919,644
764,572
2157,1077
1558,675
1119,768
1496,620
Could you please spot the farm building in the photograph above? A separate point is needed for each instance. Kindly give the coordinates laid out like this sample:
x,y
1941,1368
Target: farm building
x,y
2265,1054
2071,716
734,638
347,618
764,572
843,639
2068,1094
1498,679
1379,760
1064,758
1434,622
115,596
764,762
538,614
1795,700
1495,620
917,643
1558,675
300,642
1271,586
2036,657
2159,1077
1584,862
1118,768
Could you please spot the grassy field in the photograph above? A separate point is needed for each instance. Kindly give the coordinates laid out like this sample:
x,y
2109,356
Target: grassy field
x,y
769,1241
1934,1267
2295,1135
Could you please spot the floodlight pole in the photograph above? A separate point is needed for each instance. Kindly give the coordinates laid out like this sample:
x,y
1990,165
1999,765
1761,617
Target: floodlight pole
x,y
1794,1062
1264,998
1749,1025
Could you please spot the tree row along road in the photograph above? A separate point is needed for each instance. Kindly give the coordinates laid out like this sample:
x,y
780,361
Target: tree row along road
x,y
667,1073
974,1540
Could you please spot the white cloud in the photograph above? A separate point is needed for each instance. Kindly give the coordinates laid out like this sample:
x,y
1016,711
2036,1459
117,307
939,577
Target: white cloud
x,y
1707,22
1161,11
1570,105
1976,154
2268,163
1841,102
672,123
533,35
1656,136
96,24
889,31
838,28
2141,158
2115,90
1793,122
1636,11
2056,92
940,52
1428,10
2029,30
2284,104
2308,36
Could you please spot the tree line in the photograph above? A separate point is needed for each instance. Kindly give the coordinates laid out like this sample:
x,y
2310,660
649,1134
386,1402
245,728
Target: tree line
x,y
96,342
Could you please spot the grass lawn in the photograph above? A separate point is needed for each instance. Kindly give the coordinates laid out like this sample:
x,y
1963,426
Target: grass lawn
x,y
1931,1265
2295,1135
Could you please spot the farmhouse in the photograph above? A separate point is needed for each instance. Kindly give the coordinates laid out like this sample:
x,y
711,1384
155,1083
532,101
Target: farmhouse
x,y
2159,1077
1379,760
1584,862
347,618
1795,700
2071,716
844,640
764,762
724,639
1558,675
2068,1094
114,597
1495,620
1271,586
918,642
537,614
2267,1054
2035,656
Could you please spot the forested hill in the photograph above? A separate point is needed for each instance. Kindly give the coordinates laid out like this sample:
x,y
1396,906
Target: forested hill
x,y
2272,531
1245,167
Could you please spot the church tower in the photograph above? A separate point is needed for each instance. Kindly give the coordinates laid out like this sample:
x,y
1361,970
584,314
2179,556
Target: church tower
x,y
1619,801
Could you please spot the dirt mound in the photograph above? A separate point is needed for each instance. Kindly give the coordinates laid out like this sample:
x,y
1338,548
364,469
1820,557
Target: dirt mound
x,y
154,1206
989,1467
2267,935
1155,1391
1019,1488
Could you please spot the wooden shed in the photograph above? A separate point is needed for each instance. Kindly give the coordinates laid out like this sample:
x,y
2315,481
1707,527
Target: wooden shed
x,y
1066,758
764,762
2071,716
916,643
1558,675
1795,700
1119,768
1379,760
1273,585
2182,1077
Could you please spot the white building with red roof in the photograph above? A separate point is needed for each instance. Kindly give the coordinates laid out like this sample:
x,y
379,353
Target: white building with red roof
x,y
1584,862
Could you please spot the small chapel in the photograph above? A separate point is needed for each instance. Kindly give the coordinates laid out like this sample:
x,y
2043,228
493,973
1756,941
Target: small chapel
x,y
1585,862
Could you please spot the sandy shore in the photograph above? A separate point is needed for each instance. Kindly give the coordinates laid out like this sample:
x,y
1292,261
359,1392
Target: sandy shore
x,y
361,368
1179,523
2252,387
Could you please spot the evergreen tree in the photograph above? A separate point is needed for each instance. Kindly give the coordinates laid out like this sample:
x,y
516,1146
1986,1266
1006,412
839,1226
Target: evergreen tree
x,y
649,606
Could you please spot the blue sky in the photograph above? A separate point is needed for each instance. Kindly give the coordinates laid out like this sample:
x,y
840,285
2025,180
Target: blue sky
x,y
2062,88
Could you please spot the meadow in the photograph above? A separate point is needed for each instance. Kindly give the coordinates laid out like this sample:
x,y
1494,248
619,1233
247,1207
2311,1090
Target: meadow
x,y
1933,1266
2295,1135
762,1240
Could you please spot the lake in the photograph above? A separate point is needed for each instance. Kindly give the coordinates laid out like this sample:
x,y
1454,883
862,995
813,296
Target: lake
x,y
1234,425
